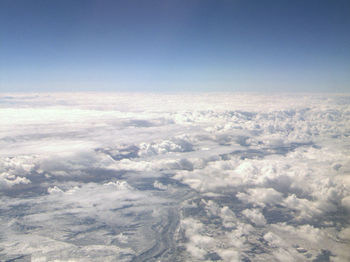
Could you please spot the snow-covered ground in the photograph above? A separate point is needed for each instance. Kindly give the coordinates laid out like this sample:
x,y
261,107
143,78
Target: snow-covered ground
x,y
174,177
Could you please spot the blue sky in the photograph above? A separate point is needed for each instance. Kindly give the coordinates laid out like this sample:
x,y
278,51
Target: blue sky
x,y
178,45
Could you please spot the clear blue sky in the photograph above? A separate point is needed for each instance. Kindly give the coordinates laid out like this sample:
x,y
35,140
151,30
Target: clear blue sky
x,y
175,45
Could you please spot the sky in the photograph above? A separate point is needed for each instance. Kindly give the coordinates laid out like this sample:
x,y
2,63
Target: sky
x,y
178,45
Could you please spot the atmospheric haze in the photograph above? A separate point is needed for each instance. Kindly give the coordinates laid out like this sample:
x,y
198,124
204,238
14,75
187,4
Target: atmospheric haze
x,y
174,177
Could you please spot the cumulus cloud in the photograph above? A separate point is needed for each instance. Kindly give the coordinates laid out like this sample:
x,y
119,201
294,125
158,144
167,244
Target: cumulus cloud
x,y
261,196
7,180
255,216
13,171
229,177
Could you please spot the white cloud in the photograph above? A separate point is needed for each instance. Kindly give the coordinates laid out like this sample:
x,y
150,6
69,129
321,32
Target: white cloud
x,y
206,177
261,196
255,216
7,180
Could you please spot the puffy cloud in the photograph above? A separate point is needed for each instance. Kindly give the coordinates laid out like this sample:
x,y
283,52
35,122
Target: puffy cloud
x,y
229,177
261,196
8,180
344,234
165,146
13,170
159,185
255,216
346,203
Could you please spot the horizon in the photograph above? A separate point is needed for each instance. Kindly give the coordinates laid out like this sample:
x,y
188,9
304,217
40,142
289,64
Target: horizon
x,y
161,92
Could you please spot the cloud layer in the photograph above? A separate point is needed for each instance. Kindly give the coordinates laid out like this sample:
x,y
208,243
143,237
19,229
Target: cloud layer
x,y
196,177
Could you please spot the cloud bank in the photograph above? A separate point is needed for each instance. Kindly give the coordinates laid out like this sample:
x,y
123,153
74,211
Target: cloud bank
x,y
195,177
